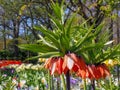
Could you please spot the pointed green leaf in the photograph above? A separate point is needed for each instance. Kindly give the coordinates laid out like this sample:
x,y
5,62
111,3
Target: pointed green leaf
x,y
57,23
90,47
49,34
46,31
69,25
82,40
36,48
47,43
45,55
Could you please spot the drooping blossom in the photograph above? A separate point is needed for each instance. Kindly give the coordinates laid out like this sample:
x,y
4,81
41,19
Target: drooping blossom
x,y
74,63
96,71
93,72
70,62
54,64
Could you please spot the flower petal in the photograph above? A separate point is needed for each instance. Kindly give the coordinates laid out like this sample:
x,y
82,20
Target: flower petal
x,y
59,65
70,63
53,69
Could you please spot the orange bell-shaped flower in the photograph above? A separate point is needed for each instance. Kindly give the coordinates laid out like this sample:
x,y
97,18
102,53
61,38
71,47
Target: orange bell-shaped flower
x,y
97,72
94,73
54,64
103,70
74,63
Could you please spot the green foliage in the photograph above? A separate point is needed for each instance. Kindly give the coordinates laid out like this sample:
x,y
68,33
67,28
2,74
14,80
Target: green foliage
x,y
66,37
4,54
23,54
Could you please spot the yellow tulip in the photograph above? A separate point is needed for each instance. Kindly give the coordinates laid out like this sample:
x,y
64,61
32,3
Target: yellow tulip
x,y
111,62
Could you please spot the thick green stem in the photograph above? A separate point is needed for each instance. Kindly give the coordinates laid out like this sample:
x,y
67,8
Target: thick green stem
x,y
118,74
110,82
58,85
68,80
52,83
85,88
92,84
49,81
63,81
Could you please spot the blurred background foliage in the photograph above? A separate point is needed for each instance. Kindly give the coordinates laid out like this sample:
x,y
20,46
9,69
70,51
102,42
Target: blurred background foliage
x,y
18,17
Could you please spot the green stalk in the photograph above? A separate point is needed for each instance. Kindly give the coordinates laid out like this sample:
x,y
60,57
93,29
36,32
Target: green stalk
x,y
63,81
58,85
92,84
49,81
110,83
118,74
68,80
85,88
52,83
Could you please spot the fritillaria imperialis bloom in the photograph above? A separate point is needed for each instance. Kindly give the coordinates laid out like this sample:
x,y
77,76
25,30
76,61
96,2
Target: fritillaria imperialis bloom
x,y
61,65
54,64
95,71
72,62
98,71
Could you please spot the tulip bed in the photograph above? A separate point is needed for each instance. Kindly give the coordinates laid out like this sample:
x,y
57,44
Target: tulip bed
x,y
22,76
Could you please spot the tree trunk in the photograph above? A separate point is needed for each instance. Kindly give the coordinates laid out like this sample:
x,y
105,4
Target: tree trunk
x,y
118,32
32,24
118,41
4,35
16,35
111,28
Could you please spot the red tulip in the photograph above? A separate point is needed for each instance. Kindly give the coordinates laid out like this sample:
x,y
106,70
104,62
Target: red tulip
x,y
4,63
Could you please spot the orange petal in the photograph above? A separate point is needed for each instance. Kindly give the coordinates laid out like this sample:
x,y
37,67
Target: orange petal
x,y
47,63
99,72
59,65
69,61
75,68
101,69
78,61
53,69
83,73
91,71
65,70
64,66
106,71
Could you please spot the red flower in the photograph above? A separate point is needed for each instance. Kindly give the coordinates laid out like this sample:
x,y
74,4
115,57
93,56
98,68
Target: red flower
x,y
103,70
54,65
94,72
74,63
71,62
4,63
97,72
